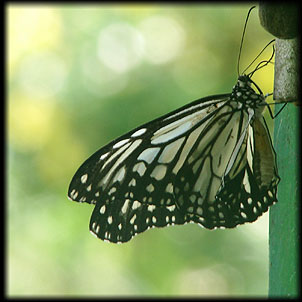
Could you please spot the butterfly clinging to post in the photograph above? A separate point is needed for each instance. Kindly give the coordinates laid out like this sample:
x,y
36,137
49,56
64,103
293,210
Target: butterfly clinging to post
x,y
210,162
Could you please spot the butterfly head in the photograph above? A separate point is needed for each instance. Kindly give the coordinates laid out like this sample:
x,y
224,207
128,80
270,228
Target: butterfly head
x,y
245,94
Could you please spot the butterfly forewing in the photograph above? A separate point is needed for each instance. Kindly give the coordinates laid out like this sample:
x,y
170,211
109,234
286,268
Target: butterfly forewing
x,y
209,162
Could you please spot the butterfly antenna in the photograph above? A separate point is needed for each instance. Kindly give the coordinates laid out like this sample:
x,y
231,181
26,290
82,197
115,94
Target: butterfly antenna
x,y
261,61
242,37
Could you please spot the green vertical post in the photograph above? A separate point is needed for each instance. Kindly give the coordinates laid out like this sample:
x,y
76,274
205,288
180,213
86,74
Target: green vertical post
x,y
283,233
281,20
283,220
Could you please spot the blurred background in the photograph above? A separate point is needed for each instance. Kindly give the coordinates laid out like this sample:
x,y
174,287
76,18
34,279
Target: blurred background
x,y
79,76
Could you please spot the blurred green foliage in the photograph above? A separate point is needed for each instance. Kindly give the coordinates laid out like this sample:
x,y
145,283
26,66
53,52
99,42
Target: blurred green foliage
x,y
78,76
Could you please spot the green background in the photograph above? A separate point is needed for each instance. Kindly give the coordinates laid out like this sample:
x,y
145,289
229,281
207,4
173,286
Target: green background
x,y
80,76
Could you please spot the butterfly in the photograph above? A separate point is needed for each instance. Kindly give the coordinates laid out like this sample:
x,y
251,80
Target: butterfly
x,y
210,162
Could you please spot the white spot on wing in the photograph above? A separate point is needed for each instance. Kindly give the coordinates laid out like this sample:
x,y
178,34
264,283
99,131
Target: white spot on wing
x,y
148,155
74,194
156,139
199,211
119,176
150,188
84,178
246,183
136,204
112,190
151,208
171,208
104,156
169,188
133,219
250,147
125,206
159,172
170,151
139,132
97,229
103,209
120,143
132,182
140,168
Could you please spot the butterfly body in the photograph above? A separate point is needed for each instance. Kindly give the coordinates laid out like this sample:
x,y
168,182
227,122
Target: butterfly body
x,y
210,162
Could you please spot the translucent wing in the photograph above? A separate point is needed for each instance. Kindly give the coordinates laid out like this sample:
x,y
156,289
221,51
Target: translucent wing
x,y
248,185
207,162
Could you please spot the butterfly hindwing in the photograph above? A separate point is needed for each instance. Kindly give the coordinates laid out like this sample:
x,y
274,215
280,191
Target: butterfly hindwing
x,y
120,220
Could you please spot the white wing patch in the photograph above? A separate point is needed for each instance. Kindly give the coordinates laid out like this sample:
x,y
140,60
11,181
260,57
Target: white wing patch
x,y
140,168
120,143
148,155
176,132
139,132
170,151
159,172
